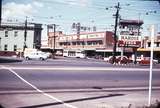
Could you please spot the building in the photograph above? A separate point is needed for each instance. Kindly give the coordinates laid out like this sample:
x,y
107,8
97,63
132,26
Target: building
x,y
146,49
130,37
12,36
93,43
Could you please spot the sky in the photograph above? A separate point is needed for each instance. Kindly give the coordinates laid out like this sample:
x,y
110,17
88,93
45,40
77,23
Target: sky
x,y
88,12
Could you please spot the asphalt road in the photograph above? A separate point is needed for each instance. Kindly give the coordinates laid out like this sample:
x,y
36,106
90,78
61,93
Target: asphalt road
x,y
72,73
75,83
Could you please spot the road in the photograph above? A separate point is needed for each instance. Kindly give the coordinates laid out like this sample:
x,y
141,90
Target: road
x,y
73,74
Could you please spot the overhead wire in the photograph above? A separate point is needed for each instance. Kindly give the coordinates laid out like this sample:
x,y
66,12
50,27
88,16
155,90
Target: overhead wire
x,y
93,7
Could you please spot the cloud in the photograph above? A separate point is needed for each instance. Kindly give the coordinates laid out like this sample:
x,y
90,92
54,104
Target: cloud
x,y
38,4
78,2
12,9
17,10
82,3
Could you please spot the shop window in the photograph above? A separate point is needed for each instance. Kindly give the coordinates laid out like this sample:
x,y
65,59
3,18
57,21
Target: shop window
x,y
73,43
89,43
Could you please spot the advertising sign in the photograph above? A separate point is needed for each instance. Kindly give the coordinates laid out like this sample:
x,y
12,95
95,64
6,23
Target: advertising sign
x,y
129,41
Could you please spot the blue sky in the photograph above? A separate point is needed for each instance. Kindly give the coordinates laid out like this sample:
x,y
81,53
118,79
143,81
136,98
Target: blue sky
x,y
87,12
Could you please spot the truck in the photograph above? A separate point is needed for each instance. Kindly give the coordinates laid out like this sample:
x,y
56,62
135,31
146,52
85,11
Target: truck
x,y
34,54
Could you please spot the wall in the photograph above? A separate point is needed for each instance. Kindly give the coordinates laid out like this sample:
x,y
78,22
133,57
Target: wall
x,y
11,40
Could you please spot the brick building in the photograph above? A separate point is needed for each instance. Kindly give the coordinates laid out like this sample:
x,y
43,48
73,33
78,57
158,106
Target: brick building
x,y
93,43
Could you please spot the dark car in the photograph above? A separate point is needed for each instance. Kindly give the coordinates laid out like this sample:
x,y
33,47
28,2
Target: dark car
x,y
123,60
120,60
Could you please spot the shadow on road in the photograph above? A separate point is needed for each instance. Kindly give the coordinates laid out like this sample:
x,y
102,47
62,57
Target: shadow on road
x,y
74,100
9,60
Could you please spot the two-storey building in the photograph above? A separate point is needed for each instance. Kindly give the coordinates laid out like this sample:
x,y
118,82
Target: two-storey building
x,y
93,43
13,38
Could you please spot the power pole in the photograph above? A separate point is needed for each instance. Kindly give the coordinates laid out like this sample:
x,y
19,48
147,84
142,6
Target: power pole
x,y
25,35
115,32
78,30
54,38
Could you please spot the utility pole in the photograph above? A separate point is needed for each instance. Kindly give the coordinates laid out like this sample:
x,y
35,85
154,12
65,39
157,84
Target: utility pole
x,y
115,32
25,35
54,38
78,30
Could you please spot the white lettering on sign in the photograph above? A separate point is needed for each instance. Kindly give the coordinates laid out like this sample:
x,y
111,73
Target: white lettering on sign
x,y
130,38
74,37
130,42
82,36
61,38
100,35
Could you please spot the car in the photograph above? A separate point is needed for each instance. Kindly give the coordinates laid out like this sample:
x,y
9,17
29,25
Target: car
x,y
36,55
146,61
110,59
123,60
107,58
119,59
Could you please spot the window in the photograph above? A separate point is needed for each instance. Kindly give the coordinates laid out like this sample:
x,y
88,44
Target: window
x,y
73,43
15,33
15,47
5,47
89,43
6,33
158,44
149,44
60,43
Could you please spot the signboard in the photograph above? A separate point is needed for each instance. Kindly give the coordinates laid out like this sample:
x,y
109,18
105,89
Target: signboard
x,y
129,41
122,43
99,35
130,38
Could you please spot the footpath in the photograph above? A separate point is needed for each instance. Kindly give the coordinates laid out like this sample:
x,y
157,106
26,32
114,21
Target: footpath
x,y
80,98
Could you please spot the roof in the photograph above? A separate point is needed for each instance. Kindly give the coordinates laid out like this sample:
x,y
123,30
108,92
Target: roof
x,y
20,26
85,33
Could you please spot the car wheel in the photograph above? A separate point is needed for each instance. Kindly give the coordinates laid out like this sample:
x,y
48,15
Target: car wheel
x,y
41,58
27,58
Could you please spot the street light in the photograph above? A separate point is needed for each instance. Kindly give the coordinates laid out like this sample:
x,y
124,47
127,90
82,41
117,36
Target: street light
x,y
151,64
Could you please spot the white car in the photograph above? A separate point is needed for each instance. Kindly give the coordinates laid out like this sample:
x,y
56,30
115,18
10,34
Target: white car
x,y
36,55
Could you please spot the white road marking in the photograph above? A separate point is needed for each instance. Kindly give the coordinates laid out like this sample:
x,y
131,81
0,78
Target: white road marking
x,y
84,68
38,90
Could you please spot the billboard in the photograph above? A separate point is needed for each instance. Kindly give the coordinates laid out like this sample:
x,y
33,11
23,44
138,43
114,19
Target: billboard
x,y
129,41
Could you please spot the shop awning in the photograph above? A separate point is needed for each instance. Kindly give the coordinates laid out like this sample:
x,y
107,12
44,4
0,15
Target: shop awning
x,y
148,49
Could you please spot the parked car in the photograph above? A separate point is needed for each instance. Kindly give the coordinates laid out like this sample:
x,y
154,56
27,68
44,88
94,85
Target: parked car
x,y
123,60
110,59
146,61
107,58
36,55
119,59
